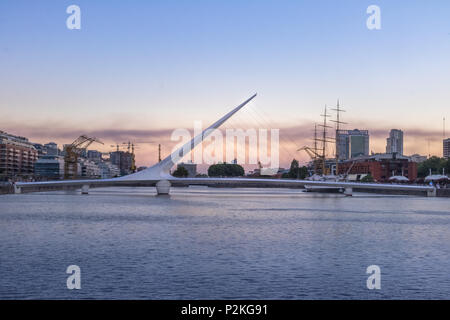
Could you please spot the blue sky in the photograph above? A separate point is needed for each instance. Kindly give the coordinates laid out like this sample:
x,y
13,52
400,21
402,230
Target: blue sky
x,y
156,65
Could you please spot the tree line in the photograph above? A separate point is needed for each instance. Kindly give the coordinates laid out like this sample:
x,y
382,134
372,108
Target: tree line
x,y
215,170
436,164
236,170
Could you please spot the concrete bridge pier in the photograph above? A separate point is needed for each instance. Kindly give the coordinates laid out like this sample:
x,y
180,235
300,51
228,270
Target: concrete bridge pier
x,y
17,190
163,187
431,193
348,192
85,189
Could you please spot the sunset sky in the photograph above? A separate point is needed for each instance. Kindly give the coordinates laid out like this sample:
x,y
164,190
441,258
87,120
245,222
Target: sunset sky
x,y
137,70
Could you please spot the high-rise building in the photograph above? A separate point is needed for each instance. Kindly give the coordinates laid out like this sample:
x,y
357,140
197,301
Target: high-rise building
x,y
17,157
123,160
89,169
394,144
52,149
352,143
359,143
342,144
40,149
94,155
108,170
446,145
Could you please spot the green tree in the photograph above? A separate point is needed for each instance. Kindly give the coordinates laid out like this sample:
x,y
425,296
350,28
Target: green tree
x,y
181,172
226,170
434,163
201,175
296,172
447,167
367,178
216,170
303,172
294,169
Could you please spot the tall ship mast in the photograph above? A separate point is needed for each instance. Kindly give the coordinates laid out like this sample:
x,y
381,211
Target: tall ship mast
x,y
318,155
324,139
315,158
338,123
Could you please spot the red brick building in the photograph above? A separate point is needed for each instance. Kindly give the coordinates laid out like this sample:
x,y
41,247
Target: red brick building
x,y
380,166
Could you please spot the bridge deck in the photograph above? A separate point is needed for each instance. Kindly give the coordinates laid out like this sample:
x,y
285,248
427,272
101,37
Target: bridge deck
x,y
231,182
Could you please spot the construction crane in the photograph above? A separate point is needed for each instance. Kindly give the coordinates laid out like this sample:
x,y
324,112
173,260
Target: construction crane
x,y
125,160
130,149
73,152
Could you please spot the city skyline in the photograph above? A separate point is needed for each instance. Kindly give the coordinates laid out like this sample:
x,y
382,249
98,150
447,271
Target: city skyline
x,y
174,57
143,162
290,138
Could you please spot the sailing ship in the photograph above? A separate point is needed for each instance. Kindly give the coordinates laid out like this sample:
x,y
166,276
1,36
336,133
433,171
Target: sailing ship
x,y
322,171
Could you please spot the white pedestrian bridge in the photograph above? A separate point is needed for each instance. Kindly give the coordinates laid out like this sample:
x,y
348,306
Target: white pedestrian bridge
x,y
163,185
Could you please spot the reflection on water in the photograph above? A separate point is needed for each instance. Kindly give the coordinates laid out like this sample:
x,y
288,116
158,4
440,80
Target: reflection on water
x,y
205,243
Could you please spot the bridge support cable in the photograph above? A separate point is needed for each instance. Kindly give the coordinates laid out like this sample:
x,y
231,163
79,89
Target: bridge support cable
x,y
268,125
263,115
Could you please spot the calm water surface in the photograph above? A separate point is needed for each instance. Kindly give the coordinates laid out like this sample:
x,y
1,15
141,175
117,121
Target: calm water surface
x,y
202,243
